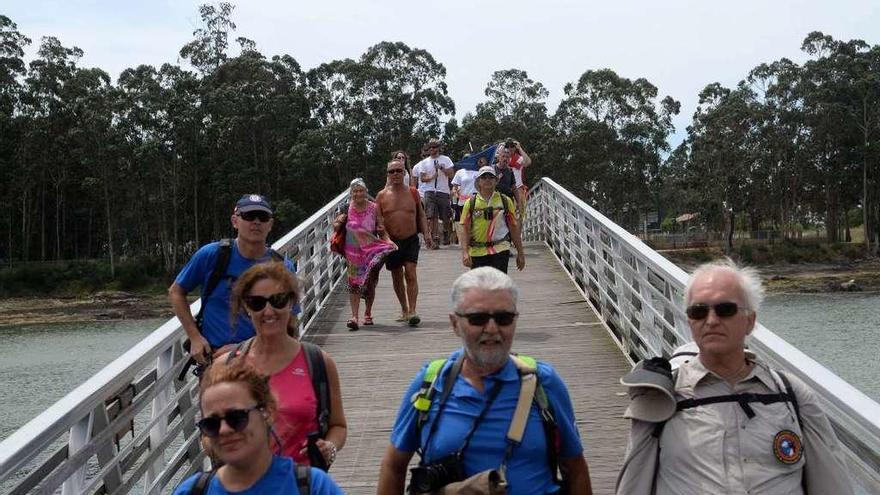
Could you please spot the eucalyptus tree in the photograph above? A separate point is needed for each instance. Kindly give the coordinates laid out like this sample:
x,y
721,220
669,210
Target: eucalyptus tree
x,y
610,132
783,143
840,109
208,50
393,97
12,68
516,107
724,154
46,148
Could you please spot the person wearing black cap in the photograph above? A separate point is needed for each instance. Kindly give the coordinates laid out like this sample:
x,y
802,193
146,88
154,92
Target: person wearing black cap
x,y
214,334
724,421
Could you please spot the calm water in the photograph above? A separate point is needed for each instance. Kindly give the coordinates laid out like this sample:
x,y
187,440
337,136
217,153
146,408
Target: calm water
x,y
841,331
42,363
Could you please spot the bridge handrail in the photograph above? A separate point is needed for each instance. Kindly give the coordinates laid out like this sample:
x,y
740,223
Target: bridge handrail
x,y
139,393
639,295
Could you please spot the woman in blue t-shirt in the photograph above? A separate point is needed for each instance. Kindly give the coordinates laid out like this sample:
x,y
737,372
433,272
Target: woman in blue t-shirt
x,y
237,409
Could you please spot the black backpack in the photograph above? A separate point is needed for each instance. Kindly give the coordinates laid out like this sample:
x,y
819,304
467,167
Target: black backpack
x,y
303,481
506,181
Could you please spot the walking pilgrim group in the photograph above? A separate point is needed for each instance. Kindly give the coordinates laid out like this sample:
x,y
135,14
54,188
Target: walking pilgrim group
x,y
715,418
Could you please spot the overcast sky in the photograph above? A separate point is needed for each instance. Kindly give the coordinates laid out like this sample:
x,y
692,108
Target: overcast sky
x,y
679,46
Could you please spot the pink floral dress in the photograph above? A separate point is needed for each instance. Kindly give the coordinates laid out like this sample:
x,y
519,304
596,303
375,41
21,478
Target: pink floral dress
x,y
364,250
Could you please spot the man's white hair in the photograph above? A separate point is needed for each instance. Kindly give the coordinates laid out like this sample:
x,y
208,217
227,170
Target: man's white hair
x,y
485,278
747,278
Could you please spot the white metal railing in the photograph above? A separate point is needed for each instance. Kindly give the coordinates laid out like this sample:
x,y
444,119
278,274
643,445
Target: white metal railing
x,y
132,425
639,296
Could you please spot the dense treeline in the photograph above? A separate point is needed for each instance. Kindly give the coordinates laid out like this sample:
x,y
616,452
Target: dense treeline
x,y
150,164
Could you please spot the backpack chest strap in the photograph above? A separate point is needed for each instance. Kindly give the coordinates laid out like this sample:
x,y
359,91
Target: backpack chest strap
x,y
743,399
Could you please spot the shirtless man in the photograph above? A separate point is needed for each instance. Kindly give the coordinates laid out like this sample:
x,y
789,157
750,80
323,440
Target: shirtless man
x,y
404,219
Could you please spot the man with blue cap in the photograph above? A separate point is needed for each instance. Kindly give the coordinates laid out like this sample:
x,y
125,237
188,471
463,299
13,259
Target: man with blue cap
x,y
214,268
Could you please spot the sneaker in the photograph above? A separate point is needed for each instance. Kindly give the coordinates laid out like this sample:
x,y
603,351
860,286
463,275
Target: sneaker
x,y
414,320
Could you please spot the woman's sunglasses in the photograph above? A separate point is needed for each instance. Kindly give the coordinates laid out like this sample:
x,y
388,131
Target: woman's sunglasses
x,y
237,419
502,318
395,171
701,311
278,301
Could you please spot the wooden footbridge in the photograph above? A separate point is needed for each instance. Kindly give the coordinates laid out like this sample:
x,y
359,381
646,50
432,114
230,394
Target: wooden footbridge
x,y
556,324
593,299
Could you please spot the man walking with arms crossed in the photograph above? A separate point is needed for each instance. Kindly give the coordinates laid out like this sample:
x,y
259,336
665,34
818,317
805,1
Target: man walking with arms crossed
x,y
434,173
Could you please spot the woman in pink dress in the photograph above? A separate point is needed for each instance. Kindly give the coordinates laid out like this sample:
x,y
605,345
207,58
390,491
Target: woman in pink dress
x,y
366,248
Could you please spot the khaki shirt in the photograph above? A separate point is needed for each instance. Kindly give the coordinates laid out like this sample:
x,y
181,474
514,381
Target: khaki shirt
x,y
717,449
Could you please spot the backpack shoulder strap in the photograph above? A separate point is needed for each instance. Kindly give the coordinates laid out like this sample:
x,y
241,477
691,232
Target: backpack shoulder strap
x,y
791,395
275,255
422,399
224,254
320,383
303,479
473,204
528,364
241,350
201,485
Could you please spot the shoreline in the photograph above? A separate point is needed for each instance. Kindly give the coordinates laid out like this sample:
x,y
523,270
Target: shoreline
x,y
102,306
783,278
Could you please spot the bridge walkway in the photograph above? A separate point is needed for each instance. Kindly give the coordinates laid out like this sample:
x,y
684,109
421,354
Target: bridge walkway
x,y
556,325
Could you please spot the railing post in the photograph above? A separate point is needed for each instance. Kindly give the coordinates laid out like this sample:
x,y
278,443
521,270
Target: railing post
x,y
164,363
185,402
79,437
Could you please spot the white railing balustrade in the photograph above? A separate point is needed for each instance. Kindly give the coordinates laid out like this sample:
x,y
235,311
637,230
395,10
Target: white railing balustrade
x,y
639,296
131,427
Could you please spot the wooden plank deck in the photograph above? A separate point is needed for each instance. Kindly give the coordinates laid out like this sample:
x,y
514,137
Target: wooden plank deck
x,y
556,325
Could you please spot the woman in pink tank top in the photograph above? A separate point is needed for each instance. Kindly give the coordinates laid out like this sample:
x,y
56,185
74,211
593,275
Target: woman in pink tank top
x,y
266,292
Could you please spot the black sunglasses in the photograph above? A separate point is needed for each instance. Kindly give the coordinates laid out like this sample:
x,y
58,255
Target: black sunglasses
x,y
250,216
700,311
502,318
237,419
395,171
278,301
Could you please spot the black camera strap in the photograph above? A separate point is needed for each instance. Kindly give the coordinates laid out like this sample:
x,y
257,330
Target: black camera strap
x,y
467,440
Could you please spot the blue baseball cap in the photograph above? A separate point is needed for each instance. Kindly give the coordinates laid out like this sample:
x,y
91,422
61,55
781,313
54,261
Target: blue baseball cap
x,y
253,202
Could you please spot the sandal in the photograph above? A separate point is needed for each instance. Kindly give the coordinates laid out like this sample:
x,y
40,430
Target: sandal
x,y
352,324
368,320
402,317
414,320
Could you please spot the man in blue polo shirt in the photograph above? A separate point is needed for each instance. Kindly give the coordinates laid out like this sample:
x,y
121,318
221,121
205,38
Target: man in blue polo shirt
x,y
252,218
482,400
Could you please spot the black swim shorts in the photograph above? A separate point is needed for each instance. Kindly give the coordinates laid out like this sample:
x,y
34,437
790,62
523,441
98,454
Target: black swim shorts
x,y
407,251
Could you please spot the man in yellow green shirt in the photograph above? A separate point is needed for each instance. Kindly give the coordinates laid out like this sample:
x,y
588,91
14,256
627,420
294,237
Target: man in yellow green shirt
x,y
489,226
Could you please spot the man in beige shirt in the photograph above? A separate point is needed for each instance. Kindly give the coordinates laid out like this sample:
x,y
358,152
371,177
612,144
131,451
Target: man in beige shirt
x,y
735,426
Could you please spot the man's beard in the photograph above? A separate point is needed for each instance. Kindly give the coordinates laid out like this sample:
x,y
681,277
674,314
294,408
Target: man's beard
x,y
486,359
